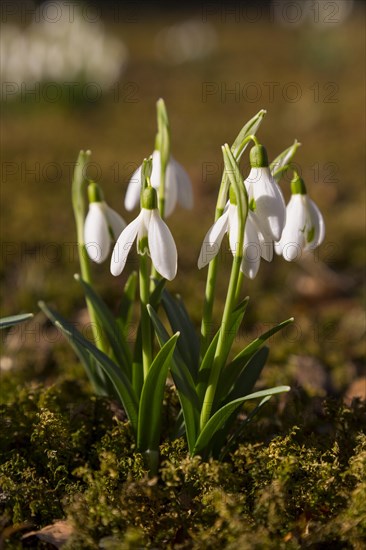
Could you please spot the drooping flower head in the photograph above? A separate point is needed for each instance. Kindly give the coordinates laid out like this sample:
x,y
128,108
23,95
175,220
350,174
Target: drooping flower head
x,y
153,237
178,187
102,225
265,196
304,229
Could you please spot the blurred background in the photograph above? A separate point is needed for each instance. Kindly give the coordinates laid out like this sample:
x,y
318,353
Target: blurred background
x,y
87,76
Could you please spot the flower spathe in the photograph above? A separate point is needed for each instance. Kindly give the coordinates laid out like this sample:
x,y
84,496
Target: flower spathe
x,y
304,229
178,187
102,225
161,245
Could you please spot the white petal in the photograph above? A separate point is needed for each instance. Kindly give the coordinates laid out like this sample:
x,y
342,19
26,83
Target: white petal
x,y
212,241
233,228
317,221
155,173
171,189
252,251
184,185
123,245
292,241
115,221
132,198
162,247
96,234
270,204
265,241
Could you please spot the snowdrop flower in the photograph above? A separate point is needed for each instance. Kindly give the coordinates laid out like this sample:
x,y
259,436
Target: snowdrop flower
x,y
253,247
153,237
178,187
102,225
265,196
304,229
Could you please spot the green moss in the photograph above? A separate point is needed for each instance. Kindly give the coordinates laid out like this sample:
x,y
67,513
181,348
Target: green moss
x,y
66,455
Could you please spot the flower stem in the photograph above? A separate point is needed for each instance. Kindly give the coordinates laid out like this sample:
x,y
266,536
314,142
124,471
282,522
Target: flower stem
x,y
78,202
206,324
221,349
146,339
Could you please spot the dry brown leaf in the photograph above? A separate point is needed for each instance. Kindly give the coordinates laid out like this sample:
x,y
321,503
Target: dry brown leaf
x,y
56,534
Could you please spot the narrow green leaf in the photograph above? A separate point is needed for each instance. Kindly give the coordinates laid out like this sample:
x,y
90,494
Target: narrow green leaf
x,y
220,417
234,437
152,395
179,320
249,375
155,295
282,162
232,370
120,381
6,322
183,381
116,339
236,319
125,312
95,376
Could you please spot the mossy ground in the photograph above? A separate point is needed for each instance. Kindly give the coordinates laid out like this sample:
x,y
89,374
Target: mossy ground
x,y
295,481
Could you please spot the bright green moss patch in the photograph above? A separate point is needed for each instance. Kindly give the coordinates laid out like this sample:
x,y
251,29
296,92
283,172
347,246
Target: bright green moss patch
x,y
65,455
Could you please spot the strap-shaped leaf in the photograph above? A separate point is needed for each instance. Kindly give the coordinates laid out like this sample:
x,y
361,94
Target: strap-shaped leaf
x,y
234,437
282,162
183,382
152,395
107,321
6,322
179,320
249,375
231,371
120,381
243,385
216,422
95,376
206,364
125,312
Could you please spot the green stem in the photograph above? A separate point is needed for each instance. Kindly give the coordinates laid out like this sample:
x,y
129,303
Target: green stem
x,y
221,349
206,323
146,339
78,202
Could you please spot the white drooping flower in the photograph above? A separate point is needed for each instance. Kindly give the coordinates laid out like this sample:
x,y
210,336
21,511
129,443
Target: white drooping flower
x,y
178,187
253,246
160,244
102,226
266,198
304,229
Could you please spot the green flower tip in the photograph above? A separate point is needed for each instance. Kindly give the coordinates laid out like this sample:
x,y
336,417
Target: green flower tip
x,y
298,185
95,194
258,157
149,199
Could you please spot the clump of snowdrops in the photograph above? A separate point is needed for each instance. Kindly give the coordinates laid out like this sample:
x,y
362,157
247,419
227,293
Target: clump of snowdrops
x,y
211,383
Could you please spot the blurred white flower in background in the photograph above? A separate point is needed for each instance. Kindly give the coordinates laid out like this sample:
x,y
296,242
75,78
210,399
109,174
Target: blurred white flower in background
x,y
188,41
62,47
